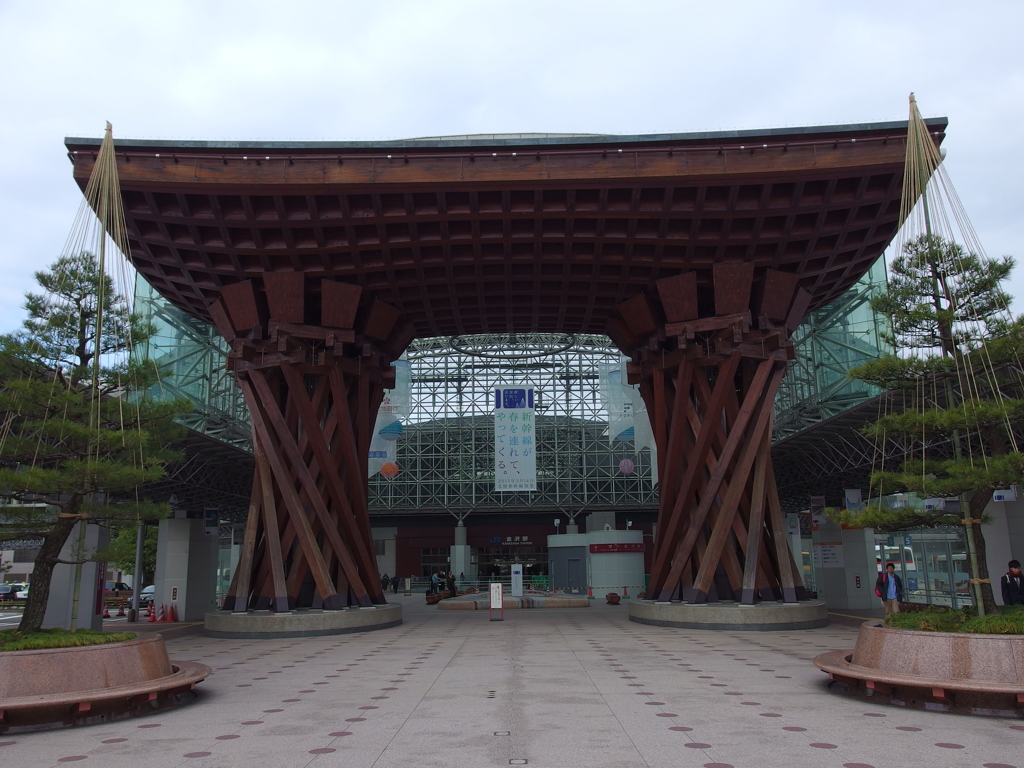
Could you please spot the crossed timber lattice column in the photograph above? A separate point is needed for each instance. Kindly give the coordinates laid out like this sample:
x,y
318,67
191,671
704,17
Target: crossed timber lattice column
x,y
709,352
313,391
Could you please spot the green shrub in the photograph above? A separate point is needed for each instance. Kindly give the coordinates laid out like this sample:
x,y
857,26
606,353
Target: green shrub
x,y
1010,621
13,640
929,620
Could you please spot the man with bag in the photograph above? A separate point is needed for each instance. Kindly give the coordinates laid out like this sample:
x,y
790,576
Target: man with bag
x,y
889,587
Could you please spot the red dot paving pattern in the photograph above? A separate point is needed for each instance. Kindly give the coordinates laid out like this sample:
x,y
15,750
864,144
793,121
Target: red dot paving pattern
x,y
666,697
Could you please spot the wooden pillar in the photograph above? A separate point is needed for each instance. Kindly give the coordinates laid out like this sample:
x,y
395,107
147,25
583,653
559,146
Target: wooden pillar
x,y
709,352
310,384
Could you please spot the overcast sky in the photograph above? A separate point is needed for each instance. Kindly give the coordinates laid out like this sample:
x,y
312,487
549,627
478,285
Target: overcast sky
x,y
382,70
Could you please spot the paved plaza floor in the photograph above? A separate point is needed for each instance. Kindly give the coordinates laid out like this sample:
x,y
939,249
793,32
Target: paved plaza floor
x,y
552,688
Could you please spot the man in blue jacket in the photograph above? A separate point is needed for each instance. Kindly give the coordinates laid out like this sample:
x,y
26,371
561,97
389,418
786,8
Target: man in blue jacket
x,y
889,587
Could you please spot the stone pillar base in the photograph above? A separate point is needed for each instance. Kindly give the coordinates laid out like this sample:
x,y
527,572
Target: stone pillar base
x,y
264,625
765,616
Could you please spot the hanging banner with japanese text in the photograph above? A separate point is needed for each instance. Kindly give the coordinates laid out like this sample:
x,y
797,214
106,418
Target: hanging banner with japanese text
x,y
388,428
515,458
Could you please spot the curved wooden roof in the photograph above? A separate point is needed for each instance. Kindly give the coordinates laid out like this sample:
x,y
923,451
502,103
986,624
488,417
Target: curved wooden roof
x,y
508,233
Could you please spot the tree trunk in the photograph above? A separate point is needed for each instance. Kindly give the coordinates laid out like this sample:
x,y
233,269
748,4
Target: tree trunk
x,y
979,500
42,572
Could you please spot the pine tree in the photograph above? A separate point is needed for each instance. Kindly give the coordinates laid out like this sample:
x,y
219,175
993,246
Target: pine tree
x,y
958,380
77,442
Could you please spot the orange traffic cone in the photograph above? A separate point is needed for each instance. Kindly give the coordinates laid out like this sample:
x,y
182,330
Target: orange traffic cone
x,y
152,613
160,614
171,614
590,593
120,610
625,591
106,611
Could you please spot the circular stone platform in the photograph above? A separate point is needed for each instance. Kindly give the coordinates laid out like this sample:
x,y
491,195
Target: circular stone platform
x,y
482,602
944,671
766,616
264,625
57,687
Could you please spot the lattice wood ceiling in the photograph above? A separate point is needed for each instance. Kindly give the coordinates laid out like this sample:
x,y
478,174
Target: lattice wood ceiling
x,y
511,236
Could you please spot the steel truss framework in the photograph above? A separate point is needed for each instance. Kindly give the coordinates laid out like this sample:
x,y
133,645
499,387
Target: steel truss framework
x,y
446,457
449,425
833,454
829,342
191,355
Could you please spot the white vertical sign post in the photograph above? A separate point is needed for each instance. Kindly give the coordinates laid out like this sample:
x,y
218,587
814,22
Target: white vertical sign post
x,y
517,579
515,457
497,604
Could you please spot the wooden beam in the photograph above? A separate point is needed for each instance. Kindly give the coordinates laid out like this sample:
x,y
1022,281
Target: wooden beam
x,y
300,472
755,524
695,461
240,301
682,552
286,296
285,483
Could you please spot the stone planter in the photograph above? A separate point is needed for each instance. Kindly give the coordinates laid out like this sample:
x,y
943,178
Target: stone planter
x,y
766,616
306,622
946,671
94,683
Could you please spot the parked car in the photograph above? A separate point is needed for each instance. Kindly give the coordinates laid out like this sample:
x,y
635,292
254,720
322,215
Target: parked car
x,y
10,591
146,596
117,589
21,594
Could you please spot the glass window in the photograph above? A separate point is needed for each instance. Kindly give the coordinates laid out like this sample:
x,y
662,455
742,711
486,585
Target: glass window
x,y
940,582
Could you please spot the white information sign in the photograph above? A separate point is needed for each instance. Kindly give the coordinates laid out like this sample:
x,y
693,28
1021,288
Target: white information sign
x,y
828,554
495,596
515,458
517,579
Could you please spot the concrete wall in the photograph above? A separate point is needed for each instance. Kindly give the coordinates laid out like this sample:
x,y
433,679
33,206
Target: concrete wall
x,y
186,568
611,571
61,605
602,571
386,563
1004,537
561,549
838,585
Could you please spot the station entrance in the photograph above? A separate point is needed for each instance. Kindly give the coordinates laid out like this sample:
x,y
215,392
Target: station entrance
x,y
697,255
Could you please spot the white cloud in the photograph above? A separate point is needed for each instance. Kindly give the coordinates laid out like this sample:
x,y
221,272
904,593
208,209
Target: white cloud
x,y
351,70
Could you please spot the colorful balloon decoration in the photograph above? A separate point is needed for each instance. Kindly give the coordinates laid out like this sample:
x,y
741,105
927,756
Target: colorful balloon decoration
x,y
389,470
627,467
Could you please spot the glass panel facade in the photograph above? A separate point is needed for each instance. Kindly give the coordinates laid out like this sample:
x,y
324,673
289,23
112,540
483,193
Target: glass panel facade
x,y
831,341
932,564
192,353
496,562
434,559
446,454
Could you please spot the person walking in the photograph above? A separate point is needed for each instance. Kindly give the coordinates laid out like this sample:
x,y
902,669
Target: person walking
x,y
1013,584
394,583
452,592
385,582
435,583
889,587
